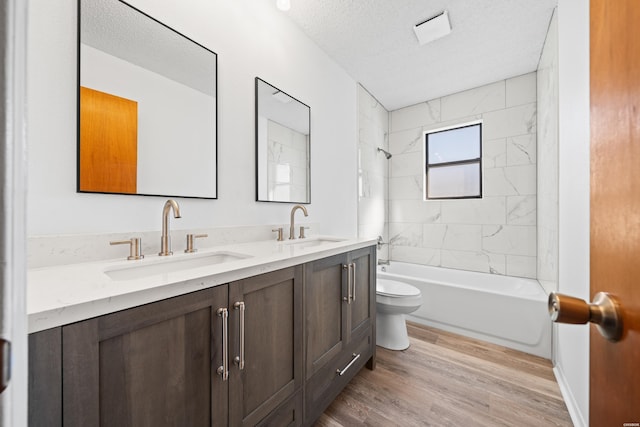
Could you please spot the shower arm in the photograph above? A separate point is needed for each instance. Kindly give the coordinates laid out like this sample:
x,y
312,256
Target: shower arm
x,y
386,153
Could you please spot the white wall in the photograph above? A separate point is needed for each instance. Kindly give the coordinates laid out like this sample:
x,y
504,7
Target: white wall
x,y
13,168
572,351
251,38
495,234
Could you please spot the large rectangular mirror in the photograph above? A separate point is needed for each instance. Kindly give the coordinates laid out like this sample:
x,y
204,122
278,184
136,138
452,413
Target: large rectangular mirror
x,y
147,106
282,146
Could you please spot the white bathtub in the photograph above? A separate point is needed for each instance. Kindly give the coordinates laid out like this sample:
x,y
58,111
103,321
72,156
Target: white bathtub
x,y
504,310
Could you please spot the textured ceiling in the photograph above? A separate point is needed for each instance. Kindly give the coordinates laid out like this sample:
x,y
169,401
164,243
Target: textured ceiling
x,y
373,40
120,30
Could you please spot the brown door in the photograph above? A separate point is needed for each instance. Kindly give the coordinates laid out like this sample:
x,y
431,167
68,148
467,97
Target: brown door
x,y
108,142
615,206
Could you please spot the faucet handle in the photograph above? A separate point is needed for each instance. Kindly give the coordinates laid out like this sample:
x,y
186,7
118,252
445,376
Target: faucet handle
x,y
135,247
279,230
190,239
302,228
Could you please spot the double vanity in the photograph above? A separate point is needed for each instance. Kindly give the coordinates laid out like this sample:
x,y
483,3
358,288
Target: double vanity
x,y
259,333
255,333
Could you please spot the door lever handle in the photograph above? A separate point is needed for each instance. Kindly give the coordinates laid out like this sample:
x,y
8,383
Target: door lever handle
x,y
604,312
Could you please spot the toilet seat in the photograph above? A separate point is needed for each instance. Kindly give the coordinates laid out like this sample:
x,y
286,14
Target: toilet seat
x,y
395,289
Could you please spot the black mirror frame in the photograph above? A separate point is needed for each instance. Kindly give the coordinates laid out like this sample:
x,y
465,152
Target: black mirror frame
x,y
78,190
308,201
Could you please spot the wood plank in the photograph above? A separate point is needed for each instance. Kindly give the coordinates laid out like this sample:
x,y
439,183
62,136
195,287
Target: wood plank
x,y
538,366
45,378
445,379
81,374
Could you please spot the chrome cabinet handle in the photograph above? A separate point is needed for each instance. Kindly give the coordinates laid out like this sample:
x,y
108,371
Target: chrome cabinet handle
x,y
348,297
353,282
239,360
604,311
224,369
355,357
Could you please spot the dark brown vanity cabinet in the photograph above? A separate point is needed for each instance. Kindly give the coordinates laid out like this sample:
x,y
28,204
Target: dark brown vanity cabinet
x,y
268,350
228,355
339,324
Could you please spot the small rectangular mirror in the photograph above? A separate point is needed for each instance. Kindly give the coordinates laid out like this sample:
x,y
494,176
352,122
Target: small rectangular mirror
x,y
283,159
147,106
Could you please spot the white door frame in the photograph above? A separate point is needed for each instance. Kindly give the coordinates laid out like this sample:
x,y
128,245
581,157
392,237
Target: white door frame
x,y
13,172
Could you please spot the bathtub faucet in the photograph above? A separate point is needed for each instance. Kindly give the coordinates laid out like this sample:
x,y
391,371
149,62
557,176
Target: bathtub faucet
x,y
383,262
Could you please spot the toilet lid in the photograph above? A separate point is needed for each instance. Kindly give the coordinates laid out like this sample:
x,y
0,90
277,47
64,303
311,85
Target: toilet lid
x,y
393,288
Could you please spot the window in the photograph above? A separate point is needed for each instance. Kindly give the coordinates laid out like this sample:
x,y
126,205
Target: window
x,y
453,162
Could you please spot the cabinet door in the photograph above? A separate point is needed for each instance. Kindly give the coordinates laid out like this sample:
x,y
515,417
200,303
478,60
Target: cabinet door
x,y
362,305
45,378
272,357
325,311
152,365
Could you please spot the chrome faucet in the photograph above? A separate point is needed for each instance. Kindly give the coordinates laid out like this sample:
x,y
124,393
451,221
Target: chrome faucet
x,y
165,239
292,231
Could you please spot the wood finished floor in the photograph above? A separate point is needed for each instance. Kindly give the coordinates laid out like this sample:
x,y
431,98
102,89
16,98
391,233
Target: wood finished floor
x,y
444,379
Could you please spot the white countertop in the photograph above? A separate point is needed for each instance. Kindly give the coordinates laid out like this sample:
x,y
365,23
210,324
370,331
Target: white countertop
x,y
65,294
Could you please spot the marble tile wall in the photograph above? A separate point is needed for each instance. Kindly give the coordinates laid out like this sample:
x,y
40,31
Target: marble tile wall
x,y
287,163
373,169
547,268
495,234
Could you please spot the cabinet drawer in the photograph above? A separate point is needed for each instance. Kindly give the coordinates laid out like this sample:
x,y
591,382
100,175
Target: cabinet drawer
x,y
327,383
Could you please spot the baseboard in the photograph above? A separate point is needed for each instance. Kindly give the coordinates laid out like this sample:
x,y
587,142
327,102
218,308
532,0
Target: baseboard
x,y
574,410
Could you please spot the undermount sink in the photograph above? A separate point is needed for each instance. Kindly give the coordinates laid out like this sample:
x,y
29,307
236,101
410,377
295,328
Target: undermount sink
x,y
172,265
313,241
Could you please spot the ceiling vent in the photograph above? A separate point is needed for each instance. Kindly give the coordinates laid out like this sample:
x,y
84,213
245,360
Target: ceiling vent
x,y
433,28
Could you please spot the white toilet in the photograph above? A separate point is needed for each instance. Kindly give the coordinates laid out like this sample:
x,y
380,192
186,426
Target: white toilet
x,y
394,299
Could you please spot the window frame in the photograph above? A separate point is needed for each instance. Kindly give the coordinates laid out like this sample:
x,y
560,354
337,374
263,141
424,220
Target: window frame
x,y
427,166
